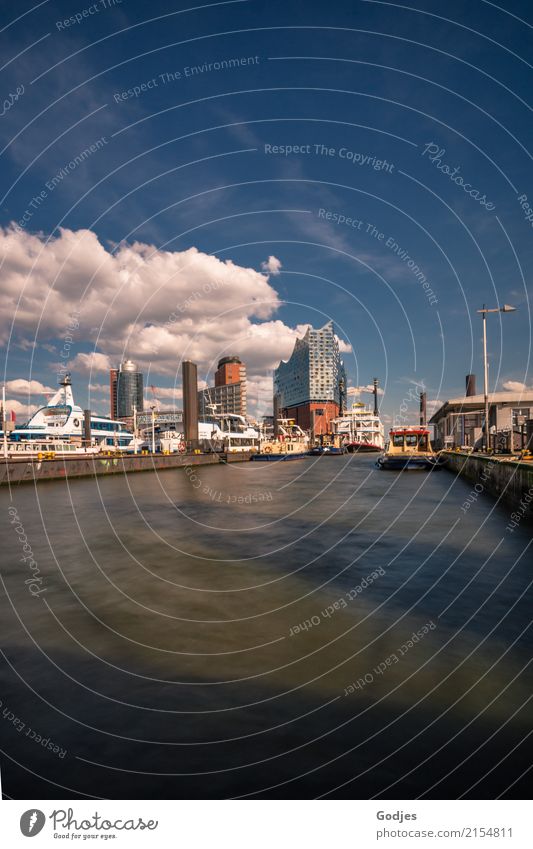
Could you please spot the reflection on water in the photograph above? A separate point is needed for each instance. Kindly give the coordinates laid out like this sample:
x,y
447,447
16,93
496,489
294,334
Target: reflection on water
x,y
249,630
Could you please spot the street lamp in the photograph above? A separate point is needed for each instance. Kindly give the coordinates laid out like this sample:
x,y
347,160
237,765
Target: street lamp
x,y
153,428
484,311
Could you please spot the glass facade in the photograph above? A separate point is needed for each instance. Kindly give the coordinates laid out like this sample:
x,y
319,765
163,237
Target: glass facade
x,y
129,389
314,372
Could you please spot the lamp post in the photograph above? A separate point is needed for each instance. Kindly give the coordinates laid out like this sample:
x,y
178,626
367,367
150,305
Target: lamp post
x,y
4,436
484,311
153,428
135,428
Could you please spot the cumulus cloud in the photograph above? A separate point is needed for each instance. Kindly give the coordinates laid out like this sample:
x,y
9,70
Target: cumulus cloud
x,y
514,386
89,363
356,391
22,411
20,386
272,265
154,306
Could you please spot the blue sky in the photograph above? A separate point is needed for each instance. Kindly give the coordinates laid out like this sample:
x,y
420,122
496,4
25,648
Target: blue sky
x,y
379,153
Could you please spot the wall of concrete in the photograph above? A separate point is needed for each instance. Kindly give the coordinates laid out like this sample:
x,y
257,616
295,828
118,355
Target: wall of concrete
x,y
20,470
509,480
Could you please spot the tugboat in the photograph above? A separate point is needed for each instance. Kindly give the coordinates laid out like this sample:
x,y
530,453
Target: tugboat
x,y
409,448
291,443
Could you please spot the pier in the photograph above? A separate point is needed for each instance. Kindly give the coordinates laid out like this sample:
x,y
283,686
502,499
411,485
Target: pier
x,y
505,478
17,470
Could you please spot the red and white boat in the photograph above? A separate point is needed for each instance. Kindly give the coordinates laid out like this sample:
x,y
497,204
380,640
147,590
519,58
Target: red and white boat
x,y
360,429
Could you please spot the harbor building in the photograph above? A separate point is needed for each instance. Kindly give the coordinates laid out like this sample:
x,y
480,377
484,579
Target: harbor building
x,y
126,390
459,422
228,395
311,386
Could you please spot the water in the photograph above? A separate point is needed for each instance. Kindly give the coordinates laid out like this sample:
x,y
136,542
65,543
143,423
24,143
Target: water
x,y
244,631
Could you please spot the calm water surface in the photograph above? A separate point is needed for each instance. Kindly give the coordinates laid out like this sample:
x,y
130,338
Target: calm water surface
x,y
246,631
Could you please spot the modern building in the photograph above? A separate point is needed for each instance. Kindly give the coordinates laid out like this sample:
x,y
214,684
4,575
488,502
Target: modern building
x,y
311,385
113,392
126,388
460,421
228,395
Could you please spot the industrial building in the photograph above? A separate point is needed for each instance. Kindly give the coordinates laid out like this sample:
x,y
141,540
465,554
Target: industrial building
x,y
459,422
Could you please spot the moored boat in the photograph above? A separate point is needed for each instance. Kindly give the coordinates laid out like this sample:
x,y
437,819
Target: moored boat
x,y
291,443
409,448
360,429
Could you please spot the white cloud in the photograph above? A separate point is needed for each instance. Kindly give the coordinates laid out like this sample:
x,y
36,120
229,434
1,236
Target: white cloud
x,y
89,363
21,410
514,386
356,391
272,265
20,386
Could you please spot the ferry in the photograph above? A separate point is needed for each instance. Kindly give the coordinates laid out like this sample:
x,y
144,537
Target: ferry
x,y
291,443
409,448
59,427
360,429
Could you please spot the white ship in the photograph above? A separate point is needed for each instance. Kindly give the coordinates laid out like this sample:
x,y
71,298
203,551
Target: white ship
x,y
59,428
227,432
360,429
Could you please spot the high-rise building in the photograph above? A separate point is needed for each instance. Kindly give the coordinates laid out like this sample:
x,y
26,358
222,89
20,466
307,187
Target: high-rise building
x,y
230,370
128,390
228,395
311,385
113,392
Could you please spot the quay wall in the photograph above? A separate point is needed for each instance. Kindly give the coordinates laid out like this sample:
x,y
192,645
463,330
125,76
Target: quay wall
x,y
504,478
22,470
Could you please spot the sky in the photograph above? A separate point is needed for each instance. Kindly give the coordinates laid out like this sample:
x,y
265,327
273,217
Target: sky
x,y
191,182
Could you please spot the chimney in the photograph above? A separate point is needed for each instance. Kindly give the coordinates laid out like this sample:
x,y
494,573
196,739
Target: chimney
x,y
375,384
470,385
423,410
276,416
190,403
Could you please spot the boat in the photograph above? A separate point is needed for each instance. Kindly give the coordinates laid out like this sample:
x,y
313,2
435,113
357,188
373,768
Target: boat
x,y
59,428
291,443
360,429
329,448
220,432
409,448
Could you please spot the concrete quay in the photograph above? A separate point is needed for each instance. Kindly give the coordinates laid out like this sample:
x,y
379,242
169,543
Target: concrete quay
x,y
505,478
17,470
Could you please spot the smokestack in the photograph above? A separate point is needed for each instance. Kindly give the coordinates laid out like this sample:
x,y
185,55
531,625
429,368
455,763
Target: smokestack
x,y
276,416
470,385
423,409
376,411
189,373
87,428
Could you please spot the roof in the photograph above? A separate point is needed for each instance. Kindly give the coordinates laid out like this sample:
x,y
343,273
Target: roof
x,y
469,403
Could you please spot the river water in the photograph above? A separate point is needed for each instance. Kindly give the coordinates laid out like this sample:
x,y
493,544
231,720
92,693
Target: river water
x,y
247,631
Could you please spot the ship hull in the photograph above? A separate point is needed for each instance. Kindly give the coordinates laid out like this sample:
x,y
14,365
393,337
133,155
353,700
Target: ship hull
x,y
363,448
407,463
275,458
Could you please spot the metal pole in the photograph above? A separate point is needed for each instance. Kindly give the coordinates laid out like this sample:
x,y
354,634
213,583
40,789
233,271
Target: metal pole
x,y
486,380
4,420
135,428
153,430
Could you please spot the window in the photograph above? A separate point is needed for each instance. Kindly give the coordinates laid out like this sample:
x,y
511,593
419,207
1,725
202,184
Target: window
x,y
411,440
397,440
